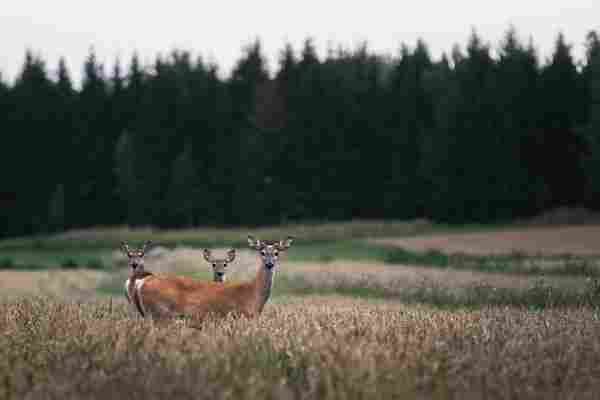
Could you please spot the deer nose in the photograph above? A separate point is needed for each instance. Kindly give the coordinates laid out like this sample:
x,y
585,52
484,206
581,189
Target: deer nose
x,y
220,274
269,265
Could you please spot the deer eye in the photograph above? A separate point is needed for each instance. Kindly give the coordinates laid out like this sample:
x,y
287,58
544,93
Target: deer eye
x,y
263,252
140,254
276,253
214,265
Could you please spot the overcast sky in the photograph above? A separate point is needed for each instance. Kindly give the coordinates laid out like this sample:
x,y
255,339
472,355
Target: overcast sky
x,y
219,29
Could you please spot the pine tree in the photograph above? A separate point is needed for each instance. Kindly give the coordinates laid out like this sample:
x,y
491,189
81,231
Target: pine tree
x,y
90,194
182,191
32,116
462,181
56,212
66,131
134,92
248,146
6,207
158,139
591,162
519,190
303,152
127,179
407,121
557,148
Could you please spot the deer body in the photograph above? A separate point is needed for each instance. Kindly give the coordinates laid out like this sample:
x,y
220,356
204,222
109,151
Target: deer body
x,y
171,296
131,289
136,263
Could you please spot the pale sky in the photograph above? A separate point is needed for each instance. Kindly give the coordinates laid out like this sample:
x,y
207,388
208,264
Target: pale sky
x,y
219,29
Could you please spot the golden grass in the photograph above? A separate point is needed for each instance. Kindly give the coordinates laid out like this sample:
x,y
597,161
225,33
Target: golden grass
x,y
310,348
79,344
56,283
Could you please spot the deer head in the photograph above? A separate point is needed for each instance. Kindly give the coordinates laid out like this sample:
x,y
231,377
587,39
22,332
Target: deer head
x,y
135,256
269,251
219,265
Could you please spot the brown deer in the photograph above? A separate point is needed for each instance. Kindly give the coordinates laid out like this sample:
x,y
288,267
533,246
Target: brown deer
x,y
172,296
135,260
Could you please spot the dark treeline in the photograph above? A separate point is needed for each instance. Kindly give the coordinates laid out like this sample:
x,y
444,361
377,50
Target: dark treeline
x,y
480,135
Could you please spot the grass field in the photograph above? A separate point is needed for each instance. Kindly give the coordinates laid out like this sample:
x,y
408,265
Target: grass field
x,y
305,348
359,311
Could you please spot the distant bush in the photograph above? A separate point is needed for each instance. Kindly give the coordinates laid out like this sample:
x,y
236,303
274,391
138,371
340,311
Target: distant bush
x,y
10,263
96,263
92,263
517,263
69,263
7,263
403,256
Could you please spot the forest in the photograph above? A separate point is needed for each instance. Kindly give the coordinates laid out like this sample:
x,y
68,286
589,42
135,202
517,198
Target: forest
x,y
483,134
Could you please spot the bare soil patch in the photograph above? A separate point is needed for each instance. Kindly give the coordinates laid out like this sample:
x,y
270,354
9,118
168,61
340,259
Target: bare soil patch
x,y
559,240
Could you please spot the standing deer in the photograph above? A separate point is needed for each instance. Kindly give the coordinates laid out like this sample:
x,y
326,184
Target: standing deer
x,y
172,296
135,260
219,265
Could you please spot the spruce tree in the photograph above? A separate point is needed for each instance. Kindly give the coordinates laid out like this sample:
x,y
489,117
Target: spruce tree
x,y
90,195
66,131
127,179
407,120
56,212
182,191
519,190
33,118
591,162
248,145
557,147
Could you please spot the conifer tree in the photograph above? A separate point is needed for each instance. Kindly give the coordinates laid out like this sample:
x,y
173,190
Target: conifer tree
x,y
66,130
248,146
407,121
93,186
56,212
519,191
32,115
591,162
557,147
127,179
182,191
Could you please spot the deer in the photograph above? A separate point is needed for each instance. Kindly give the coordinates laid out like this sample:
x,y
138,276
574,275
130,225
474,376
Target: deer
x,y
219,265
176,296
135,260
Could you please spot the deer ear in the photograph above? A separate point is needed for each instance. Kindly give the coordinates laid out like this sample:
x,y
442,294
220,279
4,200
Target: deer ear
x,y
285,244
230,255
125,248
206,254
254,243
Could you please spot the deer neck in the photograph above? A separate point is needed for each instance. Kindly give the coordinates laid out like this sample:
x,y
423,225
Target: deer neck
x,y
139,274
263,284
